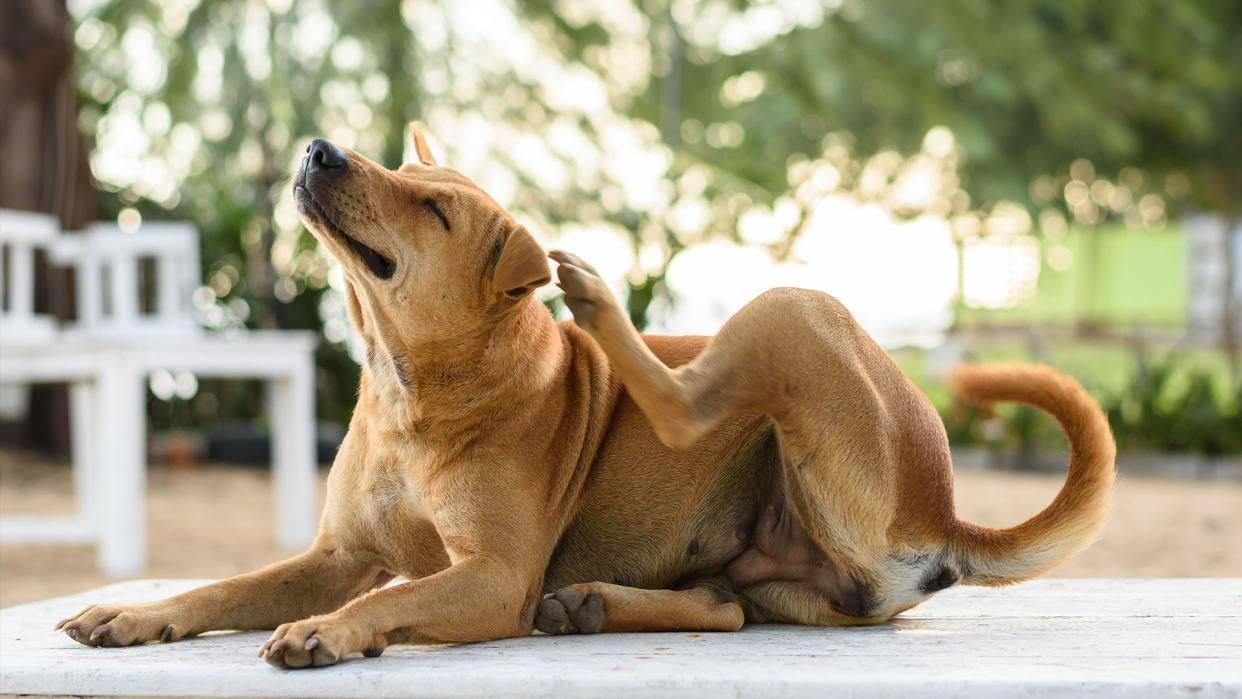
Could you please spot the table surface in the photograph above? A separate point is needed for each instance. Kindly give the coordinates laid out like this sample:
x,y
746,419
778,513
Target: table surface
x,y
1070,637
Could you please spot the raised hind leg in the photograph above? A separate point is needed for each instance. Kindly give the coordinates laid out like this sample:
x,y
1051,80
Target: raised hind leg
x,y
735,373
846,418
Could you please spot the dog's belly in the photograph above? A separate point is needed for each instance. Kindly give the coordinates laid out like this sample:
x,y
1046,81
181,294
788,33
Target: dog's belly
x,y
651,517
717,514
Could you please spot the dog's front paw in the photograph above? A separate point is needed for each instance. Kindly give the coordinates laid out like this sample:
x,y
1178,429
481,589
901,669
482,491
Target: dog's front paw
x,y
586,294
318,641
123,625
570,610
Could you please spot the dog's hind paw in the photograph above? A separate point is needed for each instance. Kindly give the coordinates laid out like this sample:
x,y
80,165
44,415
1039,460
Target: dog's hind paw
x,y
568,610
586,294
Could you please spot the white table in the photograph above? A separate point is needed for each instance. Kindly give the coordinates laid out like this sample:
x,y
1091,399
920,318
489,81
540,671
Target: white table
x,y
108,393
1133,638
106,355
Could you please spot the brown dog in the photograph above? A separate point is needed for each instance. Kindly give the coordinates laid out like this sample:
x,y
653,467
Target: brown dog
x,y
523,474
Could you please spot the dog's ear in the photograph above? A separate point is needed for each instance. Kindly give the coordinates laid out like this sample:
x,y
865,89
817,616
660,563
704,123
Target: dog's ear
x,y
522,266
420,145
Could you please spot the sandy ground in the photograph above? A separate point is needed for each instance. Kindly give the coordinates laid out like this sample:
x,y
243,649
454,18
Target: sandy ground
x,y
212,522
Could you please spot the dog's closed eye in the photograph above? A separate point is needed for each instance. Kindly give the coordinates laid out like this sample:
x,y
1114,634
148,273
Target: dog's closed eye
x,y
435,208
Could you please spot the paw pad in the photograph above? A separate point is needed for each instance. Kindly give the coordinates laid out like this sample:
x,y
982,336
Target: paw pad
x,y
569,611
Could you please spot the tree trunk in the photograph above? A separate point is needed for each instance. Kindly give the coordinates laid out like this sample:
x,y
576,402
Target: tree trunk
x,y
44,167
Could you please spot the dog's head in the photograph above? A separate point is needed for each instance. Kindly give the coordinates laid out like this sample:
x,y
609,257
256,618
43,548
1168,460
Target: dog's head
x,y
422,247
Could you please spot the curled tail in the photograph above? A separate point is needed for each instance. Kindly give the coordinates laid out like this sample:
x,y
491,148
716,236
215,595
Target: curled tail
x,y
1074,519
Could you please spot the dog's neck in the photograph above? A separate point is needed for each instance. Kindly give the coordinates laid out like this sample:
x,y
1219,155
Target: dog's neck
x,y
430,385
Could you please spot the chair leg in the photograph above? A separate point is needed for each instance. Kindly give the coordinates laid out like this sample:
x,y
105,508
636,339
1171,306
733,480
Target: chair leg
x,y
83,435
291,402
121,485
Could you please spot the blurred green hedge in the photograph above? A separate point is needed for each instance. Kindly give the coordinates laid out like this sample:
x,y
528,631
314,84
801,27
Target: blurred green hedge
x,y
1173,404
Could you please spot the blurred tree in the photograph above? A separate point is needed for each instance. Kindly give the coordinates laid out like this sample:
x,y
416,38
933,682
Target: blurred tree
x,y
1014,112
215,101
1037,94
202,109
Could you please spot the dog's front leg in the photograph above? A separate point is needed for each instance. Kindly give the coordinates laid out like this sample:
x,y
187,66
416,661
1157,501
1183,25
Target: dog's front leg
x,y
313,582
492,518
479,598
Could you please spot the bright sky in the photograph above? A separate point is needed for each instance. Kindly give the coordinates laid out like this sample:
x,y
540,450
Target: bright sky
x,y
897,278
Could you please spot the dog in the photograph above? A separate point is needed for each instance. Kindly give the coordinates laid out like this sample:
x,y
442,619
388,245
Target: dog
x,y
580,477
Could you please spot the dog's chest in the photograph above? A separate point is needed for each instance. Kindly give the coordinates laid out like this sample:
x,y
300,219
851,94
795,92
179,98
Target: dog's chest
x,y
387,507
390,494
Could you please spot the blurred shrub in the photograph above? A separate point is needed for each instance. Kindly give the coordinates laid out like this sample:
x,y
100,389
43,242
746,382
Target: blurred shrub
x,y
1170,405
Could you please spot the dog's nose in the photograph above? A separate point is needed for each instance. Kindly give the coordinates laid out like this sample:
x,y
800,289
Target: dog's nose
x,y
322,154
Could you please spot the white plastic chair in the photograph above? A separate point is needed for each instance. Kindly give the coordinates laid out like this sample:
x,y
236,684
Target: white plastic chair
x,y
106,357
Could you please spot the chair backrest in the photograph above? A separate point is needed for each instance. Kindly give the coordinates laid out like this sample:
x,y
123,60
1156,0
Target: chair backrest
x,y
109,265
108,262
21,233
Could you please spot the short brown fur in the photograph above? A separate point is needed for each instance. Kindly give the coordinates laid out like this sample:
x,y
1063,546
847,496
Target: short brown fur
x,y
582,477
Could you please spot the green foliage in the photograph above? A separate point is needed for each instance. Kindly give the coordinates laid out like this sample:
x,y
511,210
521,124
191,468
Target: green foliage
x,y
238,80
1142,96
1027,87
1146,94
1172,405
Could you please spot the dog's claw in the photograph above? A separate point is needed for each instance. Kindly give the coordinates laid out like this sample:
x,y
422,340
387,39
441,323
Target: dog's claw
x,y
101,631
568,258
312,644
